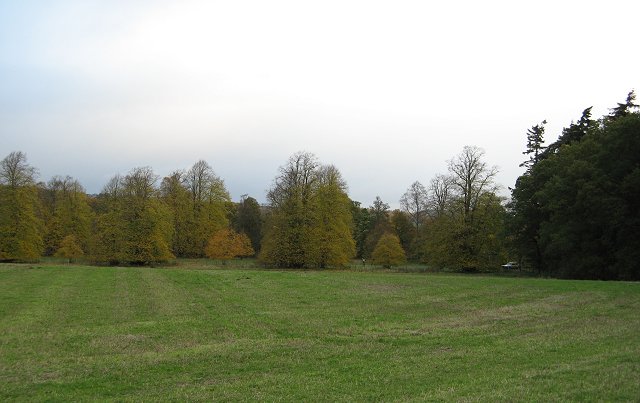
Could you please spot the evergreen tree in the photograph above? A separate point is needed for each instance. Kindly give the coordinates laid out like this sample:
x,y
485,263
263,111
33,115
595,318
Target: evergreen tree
x,y
575,214
576,131
624,109
526,215
362,224
535,148
404,228
379,225
248,220
526,208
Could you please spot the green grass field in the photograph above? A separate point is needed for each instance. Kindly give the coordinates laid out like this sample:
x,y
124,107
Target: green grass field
x,y
72,333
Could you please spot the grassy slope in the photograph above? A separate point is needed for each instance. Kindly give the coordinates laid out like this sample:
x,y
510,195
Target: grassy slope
x,y
71,333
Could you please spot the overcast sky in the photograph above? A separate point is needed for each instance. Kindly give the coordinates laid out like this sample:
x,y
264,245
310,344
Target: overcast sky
x,y
386,91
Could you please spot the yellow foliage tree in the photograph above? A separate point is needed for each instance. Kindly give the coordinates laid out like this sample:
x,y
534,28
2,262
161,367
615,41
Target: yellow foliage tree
x,y
20,226
388,251
69,249
209,206
310,220
135,227
66,211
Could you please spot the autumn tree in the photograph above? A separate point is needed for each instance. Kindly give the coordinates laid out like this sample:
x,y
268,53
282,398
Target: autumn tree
x,y
69,249
136,226
20,227
199,205
109,240
226,244
67,212
288,231
388,251
244,246
221,245
332,227
176,196
473,184
209,203
149,230
309,224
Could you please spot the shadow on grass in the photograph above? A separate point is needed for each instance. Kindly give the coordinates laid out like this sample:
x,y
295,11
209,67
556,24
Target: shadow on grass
x,y
356,265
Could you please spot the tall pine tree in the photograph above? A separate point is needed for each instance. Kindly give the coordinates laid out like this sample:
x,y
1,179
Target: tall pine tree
x,y
535,147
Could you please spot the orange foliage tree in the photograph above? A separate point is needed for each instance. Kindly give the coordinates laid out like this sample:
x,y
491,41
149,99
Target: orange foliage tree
x,y
227,244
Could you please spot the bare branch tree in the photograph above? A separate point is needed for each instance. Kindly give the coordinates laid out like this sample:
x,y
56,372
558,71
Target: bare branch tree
x,y
296,178
198,179
440,192
471,177
414,203
140,183
15,171
329,174
113,188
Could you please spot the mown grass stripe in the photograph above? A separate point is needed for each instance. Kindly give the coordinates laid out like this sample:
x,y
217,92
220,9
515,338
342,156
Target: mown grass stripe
x,y
84,333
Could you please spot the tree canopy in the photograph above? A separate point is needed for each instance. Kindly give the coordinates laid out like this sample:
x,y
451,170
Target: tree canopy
x,y
227,244
465,230
310,222
573,213
388,251
21,229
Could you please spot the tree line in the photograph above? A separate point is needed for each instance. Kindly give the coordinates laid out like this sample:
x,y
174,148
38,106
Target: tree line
x,y
573,213
136,219
309,221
